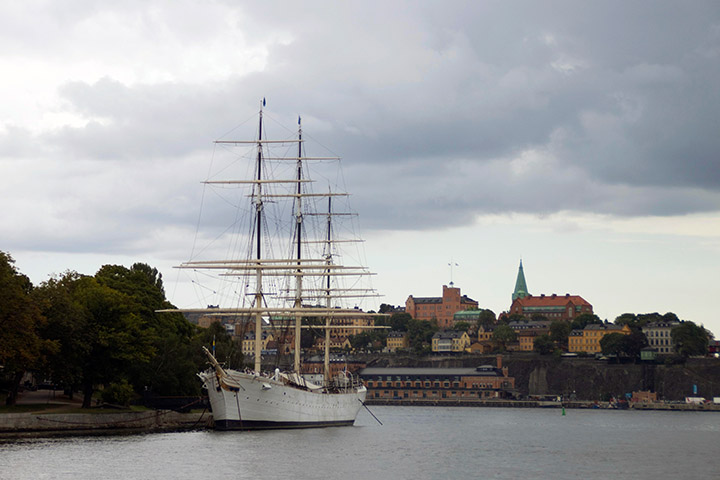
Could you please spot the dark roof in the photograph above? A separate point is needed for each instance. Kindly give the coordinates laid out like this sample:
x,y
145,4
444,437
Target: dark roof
x,y
427,299
485,370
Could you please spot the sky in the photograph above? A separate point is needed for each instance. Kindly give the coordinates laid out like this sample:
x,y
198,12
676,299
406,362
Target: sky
x,y
580,137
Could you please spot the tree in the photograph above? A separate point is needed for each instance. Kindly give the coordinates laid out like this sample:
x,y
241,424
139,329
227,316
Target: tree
x,y
502,335
63,326
628,346
112,334
543,344
20,346
690,339
611,344
559,332
513,317
462,326
583,320
420,333
486,317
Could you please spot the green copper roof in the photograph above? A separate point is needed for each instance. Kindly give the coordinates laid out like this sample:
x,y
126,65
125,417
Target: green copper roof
x,y
521,290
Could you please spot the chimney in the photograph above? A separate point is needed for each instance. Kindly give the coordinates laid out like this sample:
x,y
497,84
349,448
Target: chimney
x,y
499,361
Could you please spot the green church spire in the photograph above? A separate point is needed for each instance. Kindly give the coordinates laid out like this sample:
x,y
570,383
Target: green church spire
x,y
521,290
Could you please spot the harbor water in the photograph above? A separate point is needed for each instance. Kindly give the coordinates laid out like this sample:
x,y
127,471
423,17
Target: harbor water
x,y
411,443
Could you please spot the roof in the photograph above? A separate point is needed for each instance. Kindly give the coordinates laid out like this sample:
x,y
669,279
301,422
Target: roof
x,y
552,300
427,299
521,289
448,334
604,326
409,371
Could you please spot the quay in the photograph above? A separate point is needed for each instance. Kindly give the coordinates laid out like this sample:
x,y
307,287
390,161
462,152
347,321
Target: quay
x,y
50,414
505,403
22,425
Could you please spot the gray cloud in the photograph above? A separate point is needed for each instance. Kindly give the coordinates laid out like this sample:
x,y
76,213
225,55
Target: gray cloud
x,y
442,113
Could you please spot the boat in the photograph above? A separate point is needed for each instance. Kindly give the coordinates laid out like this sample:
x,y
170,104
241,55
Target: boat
x,y
304,282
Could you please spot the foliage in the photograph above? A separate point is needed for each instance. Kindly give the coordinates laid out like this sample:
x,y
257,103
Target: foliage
x,y
118,393
623,345
690,339
543,344
514,317
486,318
420,333
583,320
502,335
559,332
462,326
21,348
637,322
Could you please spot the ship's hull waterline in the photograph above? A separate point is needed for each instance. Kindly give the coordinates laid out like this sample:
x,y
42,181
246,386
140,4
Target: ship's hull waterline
x,y
256,402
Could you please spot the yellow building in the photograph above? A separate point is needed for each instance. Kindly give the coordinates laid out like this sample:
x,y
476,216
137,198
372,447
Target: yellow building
x,y
588,339
397,340
248,343
450,341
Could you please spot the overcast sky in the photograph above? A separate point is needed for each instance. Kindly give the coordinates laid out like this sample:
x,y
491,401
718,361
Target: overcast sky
x,y
582,137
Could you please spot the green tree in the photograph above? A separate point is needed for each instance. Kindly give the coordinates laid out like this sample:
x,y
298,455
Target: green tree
x,y
583,320
544,344
486,318
420,333
559,332
611,344
112,333
514,317
21,348
462,326
690,339
216,338
65,319
502,335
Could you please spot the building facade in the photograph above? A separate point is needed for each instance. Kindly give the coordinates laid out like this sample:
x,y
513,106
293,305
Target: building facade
x,y
588,339
397,341
438,384
442,308
553,307
450,341
659,336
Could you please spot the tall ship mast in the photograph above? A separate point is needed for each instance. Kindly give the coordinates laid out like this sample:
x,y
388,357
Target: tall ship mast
x,y
290,284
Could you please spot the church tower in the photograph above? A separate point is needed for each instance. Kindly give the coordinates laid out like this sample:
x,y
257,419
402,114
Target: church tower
x,y
521,290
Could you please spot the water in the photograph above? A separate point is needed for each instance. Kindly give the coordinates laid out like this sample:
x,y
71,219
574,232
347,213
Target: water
x,y
414,443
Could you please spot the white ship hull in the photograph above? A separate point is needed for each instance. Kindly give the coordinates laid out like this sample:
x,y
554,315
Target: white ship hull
x,y
245,401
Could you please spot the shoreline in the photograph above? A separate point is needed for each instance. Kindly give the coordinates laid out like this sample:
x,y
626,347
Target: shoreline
x,y
575,404
38,424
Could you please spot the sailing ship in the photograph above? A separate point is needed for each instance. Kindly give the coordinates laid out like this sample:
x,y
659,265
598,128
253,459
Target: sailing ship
x,y
303,282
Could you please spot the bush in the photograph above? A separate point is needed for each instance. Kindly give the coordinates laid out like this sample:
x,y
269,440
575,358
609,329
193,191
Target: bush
x,y
118,393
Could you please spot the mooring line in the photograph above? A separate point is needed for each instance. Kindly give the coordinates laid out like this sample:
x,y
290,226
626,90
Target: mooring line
x,y
371,413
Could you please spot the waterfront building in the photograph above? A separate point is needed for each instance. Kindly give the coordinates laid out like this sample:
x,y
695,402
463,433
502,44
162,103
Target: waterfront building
x,y
442,308
437,384
397,341
450,341
659,336
588,339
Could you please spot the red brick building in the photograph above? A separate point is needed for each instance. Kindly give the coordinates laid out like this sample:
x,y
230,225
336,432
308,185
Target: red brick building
x,y
440,308
437,384
553,307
